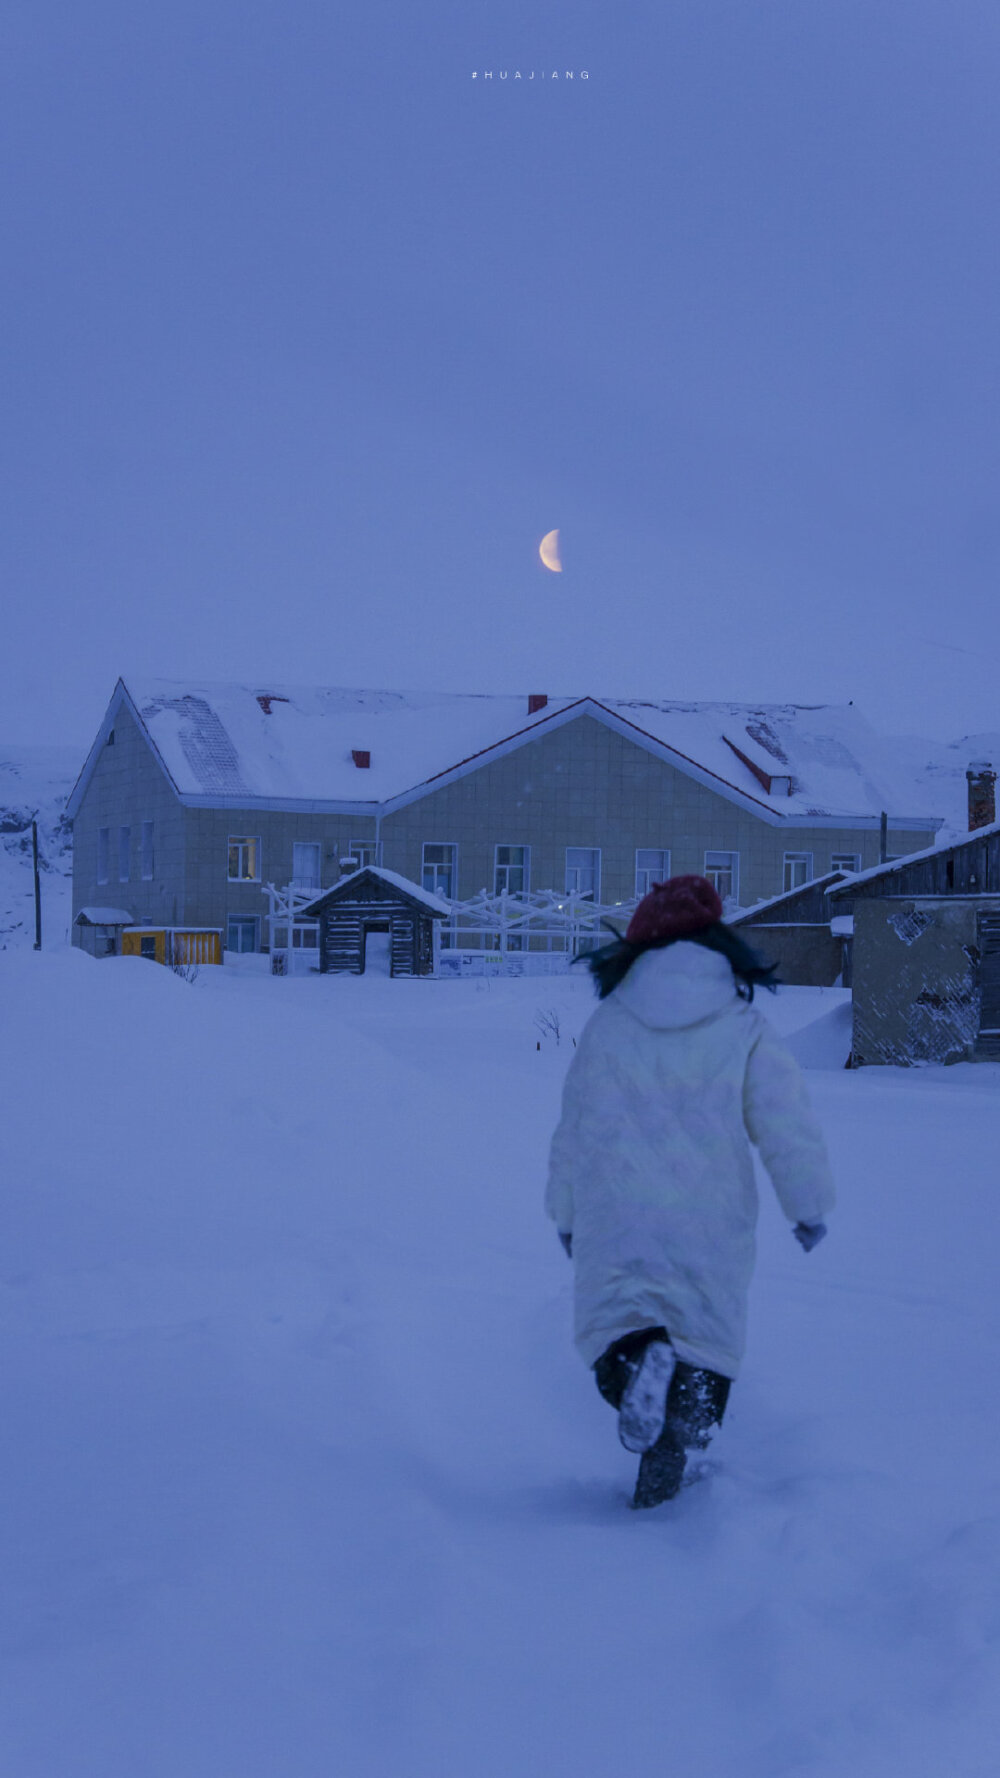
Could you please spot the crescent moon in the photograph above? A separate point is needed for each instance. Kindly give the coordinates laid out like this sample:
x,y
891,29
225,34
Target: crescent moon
x,y
548,549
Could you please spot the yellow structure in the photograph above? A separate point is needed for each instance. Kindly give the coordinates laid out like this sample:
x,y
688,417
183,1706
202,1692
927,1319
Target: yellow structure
x,y
173,944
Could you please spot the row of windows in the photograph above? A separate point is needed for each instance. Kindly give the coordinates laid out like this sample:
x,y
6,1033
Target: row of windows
x,y
125,853
439,865
512,870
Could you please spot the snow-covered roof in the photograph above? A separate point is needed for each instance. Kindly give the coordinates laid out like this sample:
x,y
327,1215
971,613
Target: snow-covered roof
x,y
937,771
104,917
897,864
433,903
773,901
295,745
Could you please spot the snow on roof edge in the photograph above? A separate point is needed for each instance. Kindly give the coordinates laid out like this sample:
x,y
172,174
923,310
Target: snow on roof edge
x,y
414,890
908,858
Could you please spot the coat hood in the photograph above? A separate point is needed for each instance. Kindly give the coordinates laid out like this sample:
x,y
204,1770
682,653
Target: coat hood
x,y
677,985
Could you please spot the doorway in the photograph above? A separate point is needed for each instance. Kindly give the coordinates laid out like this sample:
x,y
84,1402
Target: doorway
x,y
377,959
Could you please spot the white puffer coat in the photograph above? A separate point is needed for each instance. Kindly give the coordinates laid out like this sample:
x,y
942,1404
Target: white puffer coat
x,y
651,1169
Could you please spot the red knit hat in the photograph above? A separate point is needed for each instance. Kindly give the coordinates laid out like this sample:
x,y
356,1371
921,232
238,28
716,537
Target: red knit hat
x,y
674,909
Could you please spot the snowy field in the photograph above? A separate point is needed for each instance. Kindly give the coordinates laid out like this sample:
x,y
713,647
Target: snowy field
x,y
303,1478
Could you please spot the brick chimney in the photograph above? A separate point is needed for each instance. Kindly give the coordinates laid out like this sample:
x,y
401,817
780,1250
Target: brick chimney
x,y
361,756
537,700
981,779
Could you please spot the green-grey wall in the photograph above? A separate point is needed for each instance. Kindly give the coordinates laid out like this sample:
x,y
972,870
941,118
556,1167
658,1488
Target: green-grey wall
x,y
210,898
126,788
582,784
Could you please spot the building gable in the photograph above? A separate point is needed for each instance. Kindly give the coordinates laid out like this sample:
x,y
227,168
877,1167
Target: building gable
x,y
121,704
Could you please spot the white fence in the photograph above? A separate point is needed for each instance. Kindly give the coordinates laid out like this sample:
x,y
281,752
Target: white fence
x,y
293,940
535,934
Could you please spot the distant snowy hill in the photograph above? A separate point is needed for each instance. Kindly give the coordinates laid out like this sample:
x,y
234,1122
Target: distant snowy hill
x,y
34,783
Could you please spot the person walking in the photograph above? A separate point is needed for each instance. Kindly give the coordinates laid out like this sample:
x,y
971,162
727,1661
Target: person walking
x,y
651,1180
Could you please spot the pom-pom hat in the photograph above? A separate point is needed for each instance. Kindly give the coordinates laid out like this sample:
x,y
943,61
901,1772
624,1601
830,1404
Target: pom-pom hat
x,y
674,909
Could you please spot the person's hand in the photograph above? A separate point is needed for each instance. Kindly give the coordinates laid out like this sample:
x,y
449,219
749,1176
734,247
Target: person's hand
x,y
809,1234
566,1238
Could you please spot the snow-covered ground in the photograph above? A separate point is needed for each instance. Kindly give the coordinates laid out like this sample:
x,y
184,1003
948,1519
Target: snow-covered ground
x,y
303,1477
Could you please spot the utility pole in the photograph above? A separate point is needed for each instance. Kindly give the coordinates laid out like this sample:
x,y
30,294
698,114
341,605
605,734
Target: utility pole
x,y
38,886
883,838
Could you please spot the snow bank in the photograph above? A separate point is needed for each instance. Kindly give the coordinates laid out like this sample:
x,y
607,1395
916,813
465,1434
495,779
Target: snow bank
x,y
303,1475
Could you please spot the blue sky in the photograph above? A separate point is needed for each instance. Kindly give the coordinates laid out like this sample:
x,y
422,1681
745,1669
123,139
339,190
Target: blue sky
x,y
308,337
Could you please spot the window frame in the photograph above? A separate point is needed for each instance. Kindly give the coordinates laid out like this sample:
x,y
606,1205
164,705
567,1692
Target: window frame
x,y
146,853
243,839
594,852
104,854
524,867
661,852
243,920
311,882
789,861
837,862
733,868
352,854
125,853
436,864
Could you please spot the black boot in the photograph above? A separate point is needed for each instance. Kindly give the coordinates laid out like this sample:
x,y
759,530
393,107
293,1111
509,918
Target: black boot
x,y
661,1469
615,1366
695,1406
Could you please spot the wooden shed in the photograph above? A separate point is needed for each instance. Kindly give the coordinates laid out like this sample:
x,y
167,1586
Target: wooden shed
x,y
376,912
793,930
927,954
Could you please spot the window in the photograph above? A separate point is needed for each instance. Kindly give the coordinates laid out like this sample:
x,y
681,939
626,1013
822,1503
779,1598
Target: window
x,y
440,872
147,946
798,870
241,933
124,853
583,872
358,857
147,852
511,870
244,860
845,861
305,864
650,867
305,938
103,853
723,872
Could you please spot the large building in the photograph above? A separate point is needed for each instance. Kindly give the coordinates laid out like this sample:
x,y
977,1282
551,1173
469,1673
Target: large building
x,y
195,796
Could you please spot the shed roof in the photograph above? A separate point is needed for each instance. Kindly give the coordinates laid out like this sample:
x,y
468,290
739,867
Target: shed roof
x,y
104,917
895,865
283,745
441,910
788,897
